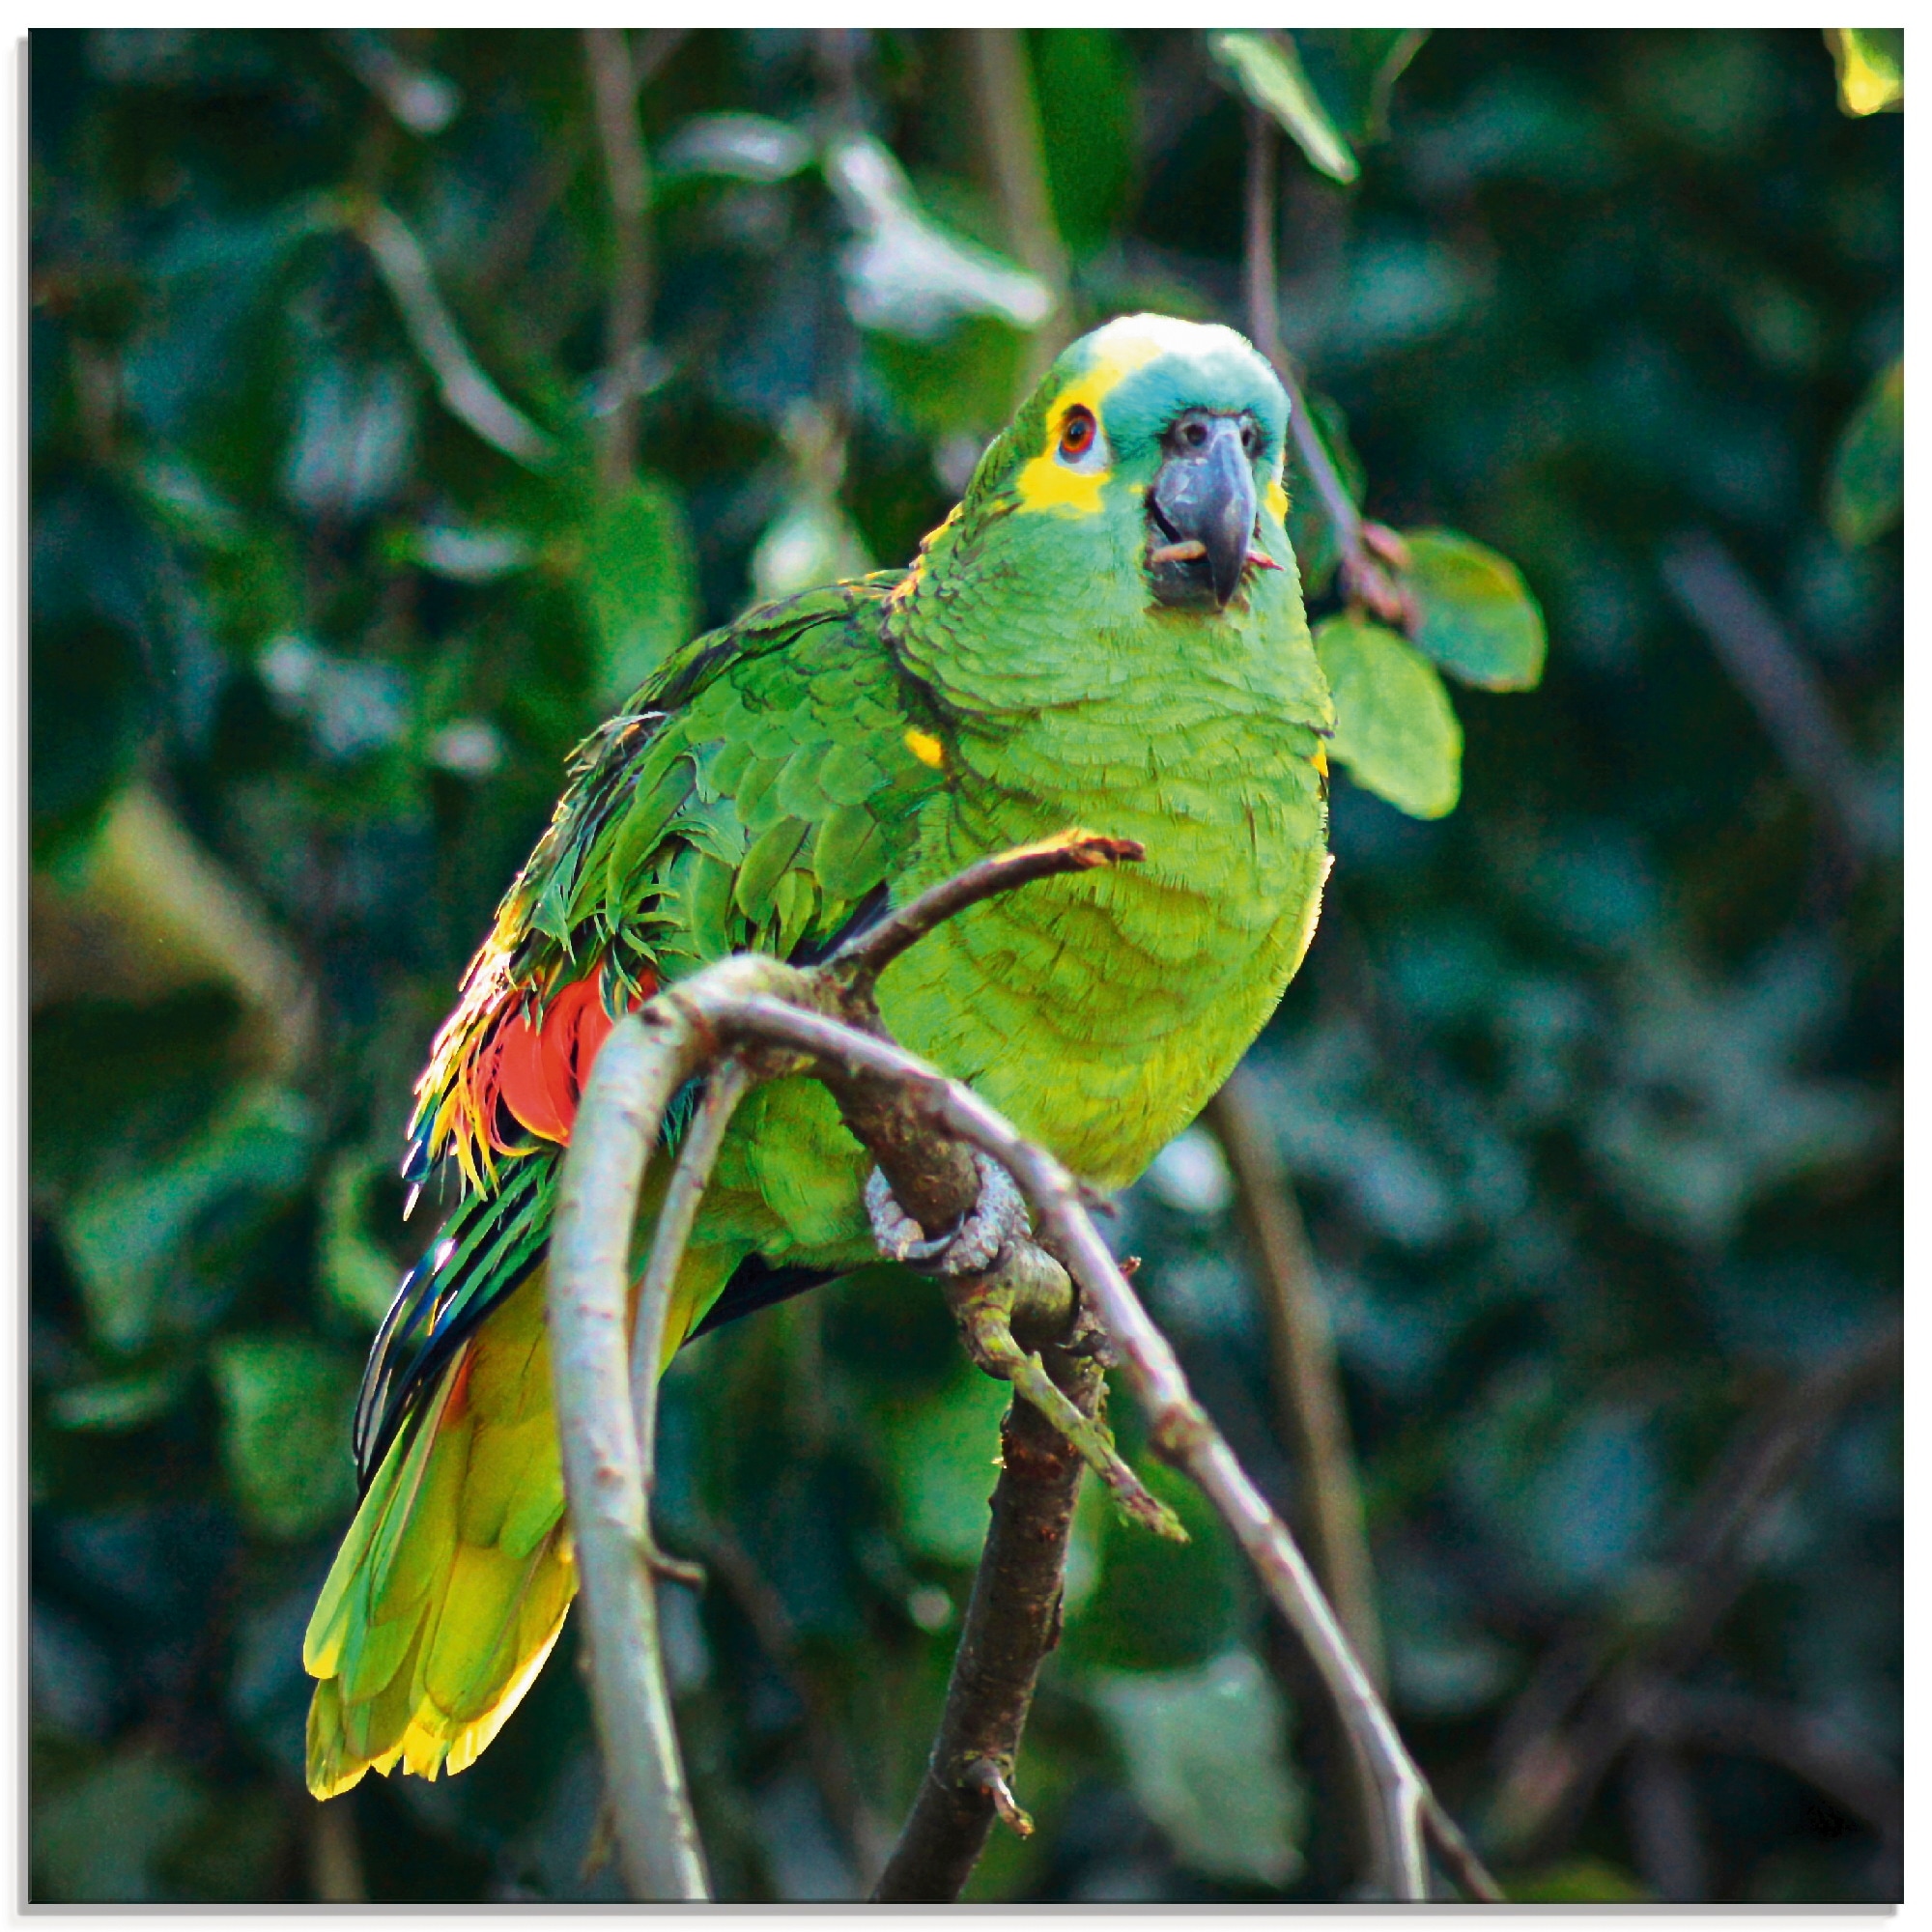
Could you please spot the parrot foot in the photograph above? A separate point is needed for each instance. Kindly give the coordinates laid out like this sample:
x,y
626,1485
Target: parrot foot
x,y
989,1338
998,1217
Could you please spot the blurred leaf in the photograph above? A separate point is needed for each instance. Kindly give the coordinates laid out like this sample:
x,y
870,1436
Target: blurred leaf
x,y
905,274
809,542
961,384
126,1237
641,583
285,1404
1206,1752
1395,729
124,1402
98,1840
1871,68
229,1854
1268,71
1478,620
1355,70
1158,1605
1584,1881
1084,83
357,1275
944,1461
1864,492
89,719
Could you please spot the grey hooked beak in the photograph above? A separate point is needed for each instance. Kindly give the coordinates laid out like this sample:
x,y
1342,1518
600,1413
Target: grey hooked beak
x,y
1201,513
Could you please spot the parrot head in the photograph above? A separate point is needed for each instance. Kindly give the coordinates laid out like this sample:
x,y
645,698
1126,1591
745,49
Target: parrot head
x,y
1166,437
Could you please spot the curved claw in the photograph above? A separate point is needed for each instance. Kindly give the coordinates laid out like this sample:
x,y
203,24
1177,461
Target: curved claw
x,y
998,1216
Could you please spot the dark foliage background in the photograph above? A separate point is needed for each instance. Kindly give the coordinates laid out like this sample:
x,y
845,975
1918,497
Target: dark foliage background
x,y
1590,1090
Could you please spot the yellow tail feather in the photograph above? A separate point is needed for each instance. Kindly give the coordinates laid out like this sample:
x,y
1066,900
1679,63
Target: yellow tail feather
x,y
451,1587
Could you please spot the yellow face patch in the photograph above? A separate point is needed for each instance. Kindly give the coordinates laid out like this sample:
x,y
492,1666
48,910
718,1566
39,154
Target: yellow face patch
x,y
926,747
1276,499
1048,484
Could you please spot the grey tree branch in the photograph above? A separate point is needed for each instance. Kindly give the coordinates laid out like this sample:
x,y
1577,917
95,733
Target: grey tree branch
x,y
613,87
639,1068
1181,1429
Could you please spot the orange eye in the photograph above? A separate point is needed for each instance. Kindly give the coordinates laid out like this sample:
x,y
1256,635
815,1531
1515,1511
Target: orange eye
x,y
1077,432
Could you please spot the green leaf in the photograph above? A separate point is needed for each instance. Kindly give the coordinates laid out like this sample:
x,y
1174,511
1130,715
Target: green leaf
x,y
1084,84
1395,729
1479,621
641,583
1865,492
121,1402
99,1840
1158,1605
1205,1753
1871,68
128,1239
284,1406
1268,71
945,1459
357,1275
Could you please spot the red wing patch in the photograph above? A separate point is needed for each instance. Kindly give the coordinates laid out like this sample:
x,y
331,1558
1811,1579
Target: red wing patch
x,y
502,1068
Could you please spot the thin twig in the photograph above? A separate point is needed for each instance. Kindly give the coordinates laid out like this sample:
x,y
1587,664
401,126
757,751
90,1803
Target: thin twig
x,y
737,1572
466,390
1777,681
636,1074
864,957
1367,550
1308,1405
613,86
1551,1760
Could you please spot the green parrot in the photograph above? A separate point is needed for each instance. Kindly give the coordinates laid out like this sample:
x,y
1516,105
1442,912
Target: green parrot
x,y
1107,632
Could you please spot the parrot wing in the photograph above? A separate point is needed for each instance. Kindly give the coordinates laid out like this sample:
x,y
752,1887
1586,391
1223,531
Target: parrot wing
x,y
754,793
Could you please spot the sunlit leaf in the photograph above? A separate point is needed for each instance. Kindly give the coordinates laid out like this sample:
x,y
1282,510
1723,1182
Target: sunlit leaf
x,y
285,1403
1206,1752
1478,619
124,1402
1268,71
749,147
907,275
1871,68
641,585
1395,729
1865,492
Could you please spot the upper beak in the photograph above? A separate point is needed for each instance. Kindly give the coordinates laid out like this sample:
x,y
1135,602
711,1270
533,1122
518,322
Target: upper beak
x,y
1202,514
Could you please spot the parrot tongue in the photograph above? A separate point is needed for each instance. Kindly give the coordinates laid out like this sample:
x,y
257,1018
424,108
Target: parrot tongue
x,y
1201,514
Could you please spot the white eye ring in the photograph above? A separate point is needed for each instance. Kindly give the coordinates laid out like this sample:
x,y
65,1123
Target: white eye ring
x,y
1095,458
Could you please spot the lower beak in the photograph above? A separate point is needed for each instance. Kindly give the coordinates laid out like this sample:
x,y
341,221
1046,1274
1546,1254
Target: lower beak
x,y
1201,515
